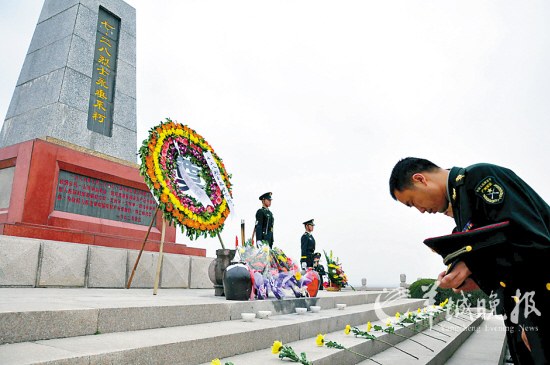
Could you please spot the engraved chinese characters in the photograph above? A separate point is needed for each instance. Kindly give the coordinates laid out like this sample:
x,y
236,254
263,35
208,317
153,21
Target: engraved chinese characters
x,y
100,112
102,199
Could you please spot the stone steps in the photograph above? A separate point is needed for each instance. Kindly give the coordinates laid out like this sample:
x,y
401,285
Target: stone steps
x,y
458,328
374,349
92,326
210,337
42,314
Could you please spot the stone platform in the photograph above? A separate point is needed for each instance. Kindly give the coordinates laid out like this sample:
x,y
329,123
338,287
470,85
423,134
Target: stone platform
x,y
27,262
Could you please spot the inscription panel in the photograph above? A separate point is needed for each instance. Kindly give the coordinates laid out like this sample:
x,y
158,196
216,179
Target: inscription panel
x,y
100,111
92,197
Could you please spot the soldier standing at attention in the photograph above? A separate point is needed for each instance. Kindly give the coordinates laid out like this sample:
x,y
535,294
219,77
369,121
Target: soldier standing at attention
x,y
264,221
308,245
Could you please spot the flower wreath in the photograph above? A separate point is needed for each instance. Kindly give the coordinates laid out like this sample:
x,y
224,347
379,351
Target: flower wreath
x,y
159,163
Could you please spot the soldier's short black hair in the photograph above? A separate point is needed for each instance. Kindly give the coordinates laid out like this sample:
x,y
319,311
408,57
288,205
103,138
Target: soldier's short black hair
x,y
401,175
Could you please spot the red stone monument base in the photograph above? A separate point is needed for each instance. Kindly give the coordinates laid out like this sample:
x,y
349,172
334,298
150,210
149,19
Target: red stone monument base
x,y
41,194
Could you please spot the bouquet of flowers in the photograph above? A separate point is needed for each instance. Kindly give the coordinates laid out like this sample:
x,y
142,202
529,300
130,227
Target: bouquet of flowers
x,y
274,272
256,259
337,277
280,262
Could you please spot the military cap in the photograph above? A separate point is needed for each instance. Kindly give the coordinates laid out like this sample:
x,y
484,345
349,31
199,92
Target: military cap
x,y
454,245
309,222
266,196
317,255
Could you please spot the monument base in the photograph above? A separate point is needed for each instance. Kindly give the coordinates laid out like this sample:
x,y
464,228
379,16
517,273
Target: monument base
x,y
54,190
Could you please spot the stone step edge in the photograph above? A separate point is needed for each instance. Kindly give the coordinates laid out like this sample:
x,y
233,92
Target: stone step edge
x,y
176,343
327,356
492,328
40,325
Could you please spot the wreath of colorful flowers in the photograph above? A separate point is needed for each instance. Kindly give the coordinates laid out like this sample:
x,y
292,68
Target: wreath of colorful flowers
x,y
160,155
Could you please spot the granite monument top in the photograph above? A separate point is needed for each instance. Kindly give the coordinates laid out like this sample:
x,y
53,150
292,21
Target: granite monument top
x,y
78,81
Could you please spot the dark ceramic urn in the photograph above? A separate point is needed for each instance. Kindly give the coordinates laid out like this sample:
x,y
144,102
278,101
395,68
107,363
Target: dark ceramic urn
x,y
237,282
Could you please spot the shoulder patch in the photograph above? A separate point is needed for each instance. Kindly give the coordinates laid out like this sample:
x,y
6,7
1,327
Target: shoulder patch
x,y
490,190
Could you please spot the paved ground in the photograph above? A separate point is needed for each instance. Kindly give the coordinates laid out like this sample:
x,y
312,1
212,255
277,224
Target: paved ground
x,y
32,299
29,299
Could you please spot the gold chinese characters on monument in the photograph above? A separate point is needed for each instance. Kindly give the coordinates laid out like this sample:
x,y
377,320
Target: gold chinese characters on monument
x,y
102,92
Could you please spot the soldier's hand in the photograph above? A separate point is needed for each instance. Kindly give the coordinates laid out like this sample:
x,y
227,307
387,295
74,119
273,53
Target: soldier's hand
x,y
468,285
456,279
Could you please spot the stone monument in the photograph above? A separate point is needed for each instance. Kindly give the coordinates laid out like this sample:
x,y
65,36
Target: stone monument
x,y
78,81
68,167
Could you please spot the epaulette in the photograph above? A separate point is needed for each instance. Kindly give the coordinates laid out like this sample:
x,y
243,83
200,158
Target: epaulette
x,y
460,177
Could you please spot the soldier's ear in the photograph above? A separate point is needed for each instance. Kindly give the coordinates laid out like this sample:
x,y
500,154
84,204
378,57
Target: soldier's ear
x,y
419,178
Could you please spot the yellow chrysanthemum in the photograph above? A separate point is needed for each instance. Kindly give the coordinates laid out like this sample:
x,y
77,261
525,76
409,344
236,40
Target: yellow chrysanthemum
x,y
397,315
408,314
276,348
320,340
298,275
347,330
369,326
388,323
216,362
418,311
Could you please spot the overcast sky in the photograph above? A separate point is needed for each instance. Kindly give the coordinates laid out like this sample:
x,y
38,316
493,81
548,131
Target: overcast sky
x,y
317,100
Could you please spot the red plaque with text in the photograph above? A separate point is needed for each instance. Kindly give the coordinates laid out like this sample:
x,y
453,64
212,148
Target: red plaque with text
x,y
67,193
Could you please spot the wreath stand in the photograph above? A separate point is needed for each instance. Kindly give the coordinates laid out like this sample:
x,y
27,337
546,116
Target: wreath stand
x,y
159,262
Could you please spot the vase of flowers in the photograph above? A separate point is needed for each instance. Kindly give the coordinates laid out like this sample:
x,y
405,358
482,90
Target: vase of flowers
x,y
336,276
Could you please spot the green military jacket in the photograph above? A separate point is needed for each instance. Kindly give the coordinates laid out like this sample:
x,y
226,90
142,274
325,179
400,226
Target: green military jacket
x,y
264,225
509,260
485,194
308,249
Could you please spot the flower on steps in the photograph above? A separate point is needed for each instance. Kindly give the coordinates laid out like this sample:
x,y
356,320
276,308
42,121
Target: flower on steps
x,y
276,347
320,340
347,330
